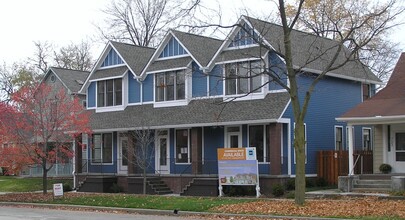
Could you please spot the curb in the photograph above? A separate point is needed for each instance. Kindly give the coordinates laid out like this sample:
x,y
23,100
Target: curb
x,y
151,211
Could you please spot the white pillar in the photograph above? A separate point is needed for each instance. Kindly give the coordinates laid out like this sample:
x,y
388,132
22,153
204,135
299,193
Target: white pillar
x,y
350,141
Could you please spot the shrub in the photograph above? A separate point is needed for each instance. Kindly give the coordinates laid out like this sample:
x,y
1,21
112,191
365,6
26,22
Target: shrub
x,y
115,188
290,184
385,168
67,187
321,182
309,182
278,190
290,195
239,190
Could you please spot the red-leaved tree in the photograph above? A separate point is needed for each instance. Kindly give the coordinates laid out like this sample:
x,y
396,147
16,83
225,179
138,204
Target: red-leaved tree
x,y
40,126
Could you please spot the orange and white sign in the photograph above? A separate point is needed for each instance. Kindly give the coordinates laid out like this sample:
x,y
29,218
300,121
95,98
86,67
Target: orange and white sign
x,y
231,154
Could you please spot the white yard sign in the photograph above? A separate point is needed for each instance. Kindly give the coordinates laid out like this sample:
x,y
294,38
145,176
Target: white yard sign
x,y
57,189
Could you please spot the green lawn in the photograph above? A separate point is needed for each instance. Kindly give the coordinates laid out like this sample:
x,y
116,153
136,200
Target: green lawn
x,y
196,204
18,184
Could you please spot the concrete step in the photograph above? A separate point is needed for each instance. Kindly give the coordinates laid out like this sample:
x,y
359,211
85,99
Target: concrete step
x,y
362,190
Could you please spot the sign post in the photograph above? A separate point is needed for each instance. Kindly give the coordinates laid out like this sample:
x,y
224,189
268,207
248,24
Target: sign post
x,y
238,166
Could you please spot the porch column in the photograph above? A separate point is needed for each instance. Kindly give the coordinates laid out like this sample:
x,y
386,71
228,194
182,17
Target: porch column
x,y
131,151
78,154
274,152
350,140
196,150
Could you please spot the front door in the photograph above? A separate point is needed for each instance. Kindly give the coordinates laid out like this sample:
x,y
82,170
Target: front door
x,y
399,153
162,155
123,155
233,137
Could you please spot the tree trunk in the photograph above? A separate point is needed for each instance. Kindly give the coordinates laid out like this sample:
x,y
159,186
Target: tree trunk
x,y
299,145
44,177
144,181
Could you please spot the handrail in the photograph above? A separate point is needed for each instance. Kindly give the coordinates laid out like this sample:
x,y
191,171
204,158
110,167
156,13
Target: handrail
x,y
354,165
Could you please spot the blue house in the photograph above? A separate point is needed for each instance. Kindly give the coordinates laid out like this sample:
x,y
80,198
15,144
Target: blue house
x,y
198,94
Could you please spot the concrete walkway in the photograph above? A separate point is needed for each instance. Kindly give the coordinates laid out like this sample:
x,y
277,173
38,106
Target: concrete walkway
x,y
336,192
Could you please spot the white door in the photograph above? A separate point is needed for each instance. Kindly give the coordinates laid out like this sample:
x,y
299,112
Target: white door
x,y
123,155
162,155
398,157
233,137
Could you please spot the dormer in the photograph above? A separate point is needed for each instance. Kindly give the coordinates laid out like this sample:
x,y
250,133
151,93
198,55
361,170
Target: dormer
x,y
244,37
111,60
173,49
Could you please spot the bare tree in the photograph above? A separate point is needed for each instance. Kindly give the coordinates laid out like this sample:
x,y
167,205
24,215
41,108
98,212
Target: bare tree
x,y
42,55
144,22
74,56
142,151
6,85
326,18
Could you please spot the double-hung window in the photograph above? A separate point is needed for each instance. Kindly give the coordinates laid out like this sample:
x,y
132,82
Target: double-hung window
x,y
109,92
339,138
170,86
243,78
102,148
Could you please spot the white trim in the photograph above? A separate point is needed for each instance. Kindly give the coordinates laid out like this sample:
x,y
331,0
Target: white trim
x,y
112,66
243,46
238,60
162,104
112,149
108,78
157,150
110,108
394,119
265,147
340,76
188,146
242,97
173,57
227,134
121,169
191,125
370,136
168,70
335,127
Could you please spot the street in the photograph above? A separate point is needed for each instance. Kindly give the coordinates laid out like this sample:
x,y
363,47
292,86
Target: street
x,y
14,213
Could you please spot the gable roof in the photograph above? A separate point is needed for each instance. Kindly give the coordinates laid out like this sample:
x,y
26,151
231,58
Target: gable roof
x,y
389,102
199,112
309,51
72,79
200,48
136,57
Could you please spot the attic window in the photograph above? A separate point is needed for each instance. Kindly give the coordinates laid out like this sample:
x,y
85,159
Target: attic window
x,y
52,78
80,82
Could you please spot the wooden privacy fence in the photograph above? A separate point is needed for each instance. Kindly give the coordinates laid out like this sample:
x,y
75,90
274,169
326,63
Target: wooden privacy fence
x,y
332,164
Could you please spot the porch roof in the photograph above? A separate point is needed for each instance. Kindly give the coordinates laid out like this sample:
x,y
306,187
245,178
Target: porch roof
x,y
387,106
201,112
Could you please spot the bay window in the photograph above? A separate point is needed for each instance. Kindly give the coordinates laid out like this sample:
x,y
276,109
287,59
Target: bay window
x,y
170,86
109,92
243,78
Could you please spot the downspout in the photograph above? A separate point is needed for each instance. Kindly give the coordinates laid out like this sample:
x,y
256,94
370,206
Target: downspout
x,y
74,164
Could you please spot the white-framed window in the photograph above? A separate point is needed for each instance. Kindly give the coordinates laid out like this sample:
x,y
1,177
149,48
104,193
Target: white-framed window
x,y
367,143
183,146
243,77
109,92
306,143
339,138
347,137
170,86
102,149
233,136
258,139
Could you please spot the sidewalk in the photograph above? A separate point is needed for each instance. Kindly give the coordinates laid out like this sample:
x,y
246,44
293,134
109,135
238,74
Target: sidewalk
x,y
336,192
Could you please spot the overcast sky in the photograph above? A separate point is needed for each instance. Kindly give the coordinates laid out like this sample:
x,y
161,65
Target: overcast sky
x,y
62,22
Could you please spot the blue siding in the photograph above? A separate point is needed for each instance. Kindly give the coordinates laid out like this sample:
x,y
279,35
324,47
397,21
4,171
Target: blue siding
x,y
243,38
277,68
245,136
213,139
216,81
112,59
91,95
199,82
134,89
332,97
172,48
147,92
